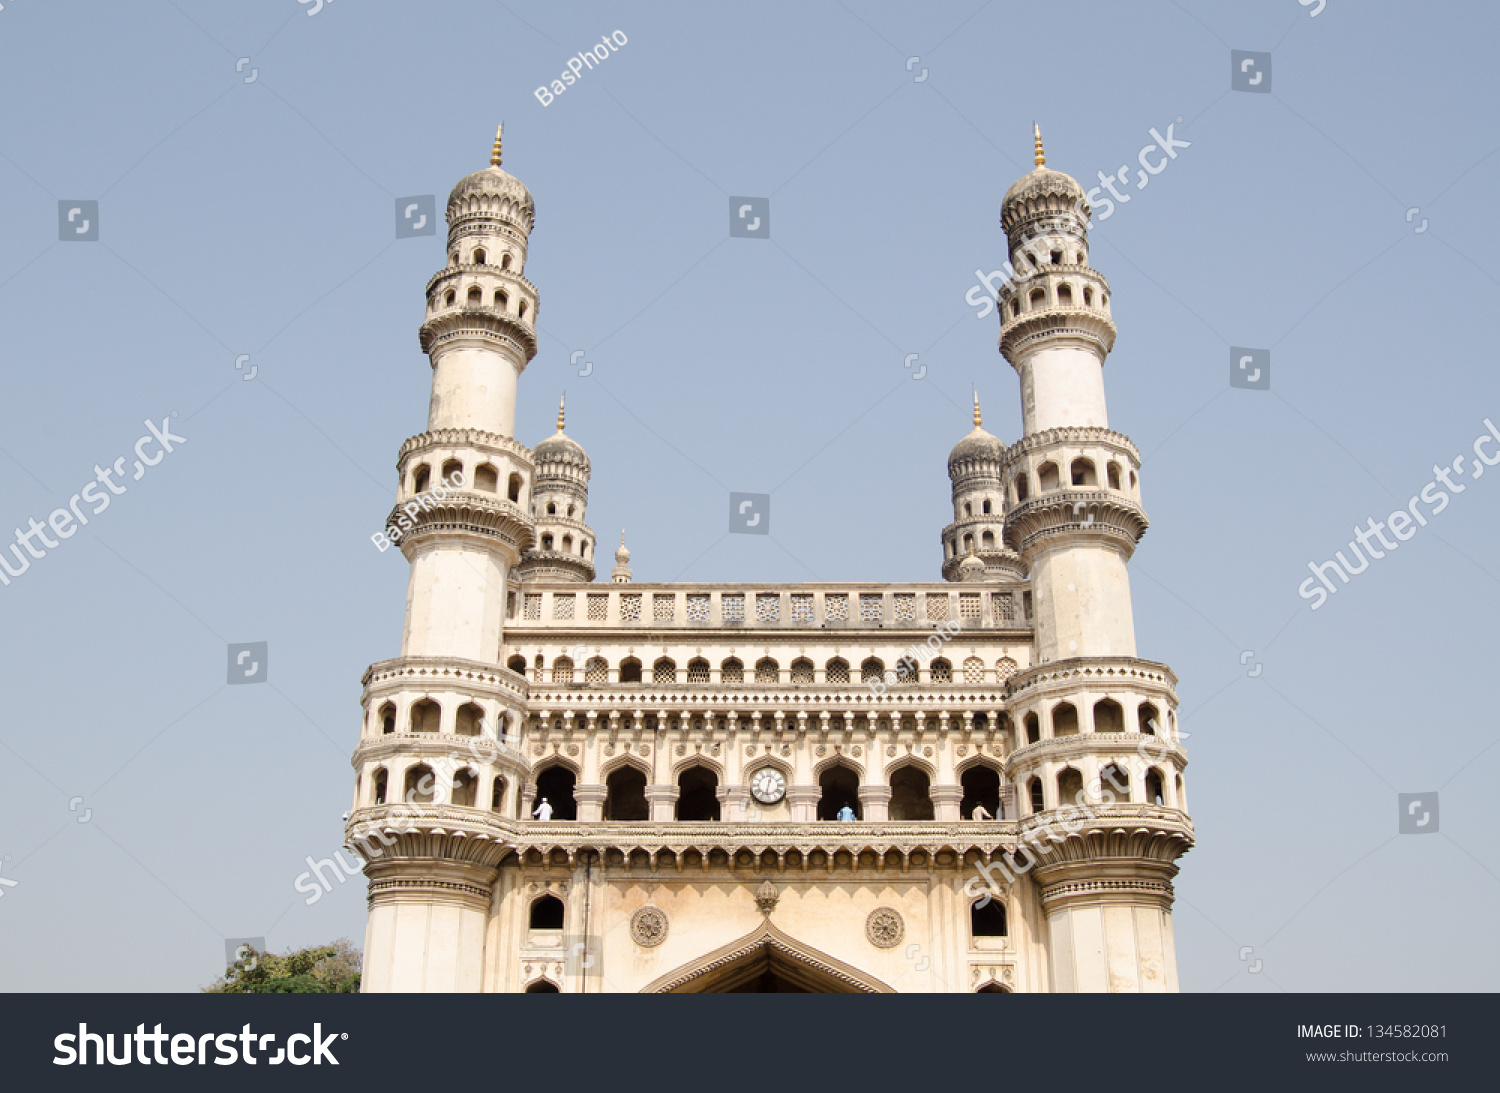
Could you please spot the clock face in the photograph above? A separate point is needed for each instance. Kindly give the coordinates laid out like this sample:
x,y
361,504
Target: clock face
x,y
768,786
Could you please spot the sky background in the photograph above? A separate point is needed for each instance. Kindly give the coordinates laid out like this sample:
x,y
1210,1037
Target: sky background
x,y
258,218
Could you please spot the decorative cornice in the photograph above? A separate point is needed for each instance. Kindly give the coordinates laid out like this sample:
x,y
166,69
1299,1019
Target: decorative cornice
x,y
499,328
1073,435
1076,515
482,515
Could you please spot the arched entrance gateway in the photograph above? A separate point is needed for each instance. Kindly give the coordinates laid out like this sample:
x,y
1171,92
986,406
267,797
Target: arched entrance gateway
x,y
766,961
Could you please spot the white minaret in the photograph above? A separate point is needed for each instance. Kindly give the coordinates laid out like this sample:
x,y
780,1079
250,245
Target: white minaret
x,y
479,335
977,530
564,549
1072,485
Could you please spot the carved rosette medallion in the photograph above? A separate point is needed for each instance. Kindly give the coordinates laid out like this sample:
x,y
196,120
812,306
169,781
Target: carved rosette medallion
x,y
648,927
885,928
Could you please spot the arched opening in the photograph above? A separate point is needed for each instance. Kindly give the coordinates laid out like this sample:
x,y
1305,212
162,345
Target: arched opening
x,y
1056,257
425,716
555,785
840,786
1034,792
382,779
987,540
453,472
625,795
1033,729
1015,308
1064,719
513,488
732,671
981,785
1038,299
546,913
1065,295
968,544
987,919
871,671
567,544
1048,476
1154,794
697,794
505,261
985,508
664,671
465,788
469,720
551,508
802,670
450,298
1023,491
476,296
992,988
1088,295
1112,475
630,670
479,256
497,795
698,670
1109,716
1113,780
837,671
767,671
1083,473
968,509
941,670
562,670
542,986
1069,787
1147,718
486,478
521,310
418,787
517,664
547,542
419,478
387,718
911,794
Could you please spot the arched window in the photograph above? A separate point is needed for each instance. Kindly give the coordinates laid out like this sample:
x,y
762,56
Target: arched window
x,y
521,310
1112,475
1065,295
987,919
469,720
596,670
767,671
630,670
1109,716
1083,473
664,671
1057,257
941,671
418,787
697,670
517,663
987,540
387,718
513,488
911,794
546,542
450,298
425,716
486,478
556,785
505,261
1038,298
546,913
419,478
479,256
968,509
1069,787
697,794
562,670
1048,477
625,795
476,295
981,785
542,986
381,779
1033,729
988,988
497,795
1113,780
1015,308
986,508
1064,719
465,787
1147,718
973,670
837,671
551,508
871,671
1088,295
802,670
840,785
1154,794
1022,490
906,670
502,301
732,671
968,544
1038,804
453,471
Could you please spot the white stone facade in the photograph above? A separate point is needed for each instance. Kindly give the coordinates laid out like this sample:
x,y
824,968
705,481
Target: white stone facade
x,y
698,744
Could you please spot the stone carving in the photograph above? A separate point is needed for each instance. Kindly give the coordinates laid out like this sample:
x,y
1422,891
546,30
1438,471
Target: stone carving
x,y
885,928
648,927
766,897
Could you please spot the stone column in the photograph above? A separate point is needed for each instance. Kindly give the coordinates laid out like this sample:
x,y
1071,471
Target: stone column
x,y
804,803
875,802
945,801
590,801
663,801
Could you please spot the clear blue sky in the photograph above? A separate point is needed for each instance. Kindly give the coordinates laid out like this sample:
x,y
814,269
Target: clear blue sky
x,y
258,218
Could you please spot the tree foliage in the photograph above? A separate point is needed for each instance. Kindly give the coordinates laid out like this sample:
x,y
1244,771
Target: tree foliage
x,y
325,969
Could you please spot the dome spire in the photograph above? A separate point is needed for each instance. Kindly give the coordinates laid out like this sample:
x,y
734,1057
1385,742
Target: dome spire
x,y
977,421
495,151
1036,131
561,402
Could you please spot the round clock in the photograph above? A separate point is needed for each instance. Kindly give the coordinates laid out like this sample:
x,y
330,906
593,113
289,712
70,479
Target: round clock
x,y
768,786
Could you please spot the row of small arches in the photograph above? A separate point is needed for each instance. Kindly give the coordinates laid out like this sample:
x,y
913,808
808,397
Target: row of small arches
x,y
1081,472
485,479
1109,716
767,670
1037,298
480,257
475,298
1114,781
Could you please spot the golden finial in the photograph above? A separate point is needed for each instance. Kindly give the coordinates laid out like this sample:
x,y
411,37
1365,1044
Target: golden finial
x,y
977,422
495,152
622,536
560,403
1036,130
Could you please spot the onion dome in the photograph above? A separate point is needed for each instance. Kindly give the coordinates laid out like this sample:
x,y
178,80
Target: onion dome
x,y
493,191
977,445
559,447
1042,193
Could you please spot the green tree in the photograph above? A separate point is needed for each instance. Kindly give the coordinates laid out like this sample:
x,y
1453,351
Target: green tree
x,y
325,969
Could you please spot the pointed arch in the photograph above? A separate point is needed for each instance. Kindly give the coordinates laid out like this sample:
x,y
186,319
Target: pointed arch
x,y
766,950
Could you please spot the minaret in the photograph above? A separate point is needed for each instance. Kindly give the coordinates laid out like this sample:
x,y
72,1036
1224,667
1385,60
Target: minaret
x,y
621,572
564,549
1097,761
1072,486
479,336
978,505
